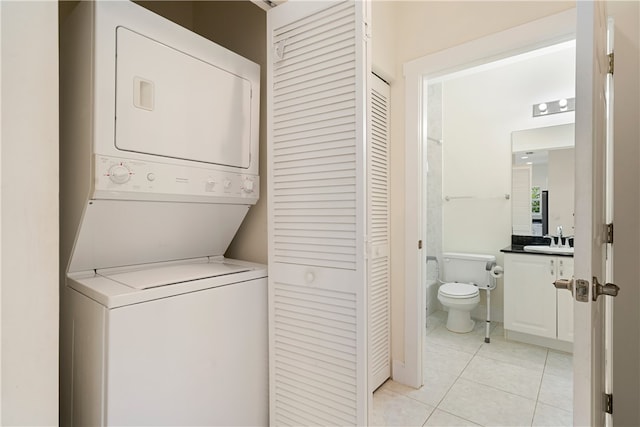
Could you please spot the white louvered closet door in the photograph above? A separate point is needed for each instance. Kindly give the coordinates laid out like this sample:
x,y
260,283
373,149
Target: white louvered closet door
x,y
378,231
317,97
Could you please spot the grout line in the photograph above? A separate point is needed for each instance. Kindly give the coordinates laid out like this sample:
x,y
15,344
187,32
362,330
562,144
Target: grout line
x,y
535,409
544,369
453,415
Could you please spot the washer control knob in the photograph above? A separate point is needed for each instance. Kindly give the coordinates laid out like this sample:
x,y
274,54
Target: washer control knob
x,y
227,183
151,176
119,174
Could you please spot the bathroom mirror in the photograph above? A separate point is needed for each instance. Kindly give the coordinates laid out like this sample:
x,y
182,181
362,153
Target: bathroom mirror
x,y
542,180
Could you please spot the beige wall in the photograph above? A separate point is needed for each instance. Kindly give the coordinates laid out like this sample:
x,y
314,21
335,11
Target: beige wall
x,y
626,357
180,12
29,199
241,27
383,39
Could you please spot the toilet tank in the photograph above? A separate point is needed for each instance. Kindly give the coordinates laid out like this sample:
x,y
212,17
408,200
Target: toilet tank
x,y
467,268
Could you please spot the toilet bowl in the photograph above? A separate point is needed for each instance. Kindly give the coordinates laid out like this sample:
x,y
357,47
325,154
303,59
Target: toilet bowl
x,y
461,299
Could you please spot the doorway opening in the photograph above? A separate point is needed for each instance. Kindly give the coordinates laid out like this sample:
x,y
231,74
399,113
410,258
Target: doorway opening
x,y
476,120
469,204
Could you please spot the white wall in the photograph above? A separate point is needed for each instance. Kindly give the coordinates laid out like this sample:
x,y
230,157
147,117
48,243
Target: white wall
x,y
480,111
29,198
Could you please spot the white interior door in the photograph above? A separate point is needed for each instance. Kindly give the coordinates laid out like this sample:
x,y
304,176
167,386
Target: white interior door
x,y
591,243
316,105
378,224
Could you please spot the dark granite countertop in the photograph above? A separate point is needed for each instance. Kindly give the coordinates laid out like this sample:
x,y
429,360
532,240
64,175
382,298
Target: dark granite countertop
x,y
519,242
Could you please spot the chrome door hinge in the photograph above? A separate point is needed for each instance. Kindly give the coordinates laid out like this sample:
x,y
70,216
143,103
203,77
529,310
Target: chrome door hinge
x,y
607,403
610,56
609,232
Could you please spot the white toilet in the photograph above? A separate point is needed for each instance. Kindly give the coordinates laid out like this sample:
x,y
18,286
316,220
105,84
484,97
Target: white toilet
x,y
463,275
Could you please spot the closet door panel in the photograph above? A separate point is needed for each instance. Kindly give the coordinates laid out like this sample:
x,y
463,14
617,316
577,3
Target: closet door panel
x,y
378,232
317,86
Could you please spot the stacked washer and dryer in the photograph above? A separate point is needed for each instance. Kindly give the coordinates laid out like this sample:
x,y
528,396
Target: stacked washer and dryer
x,y
159,166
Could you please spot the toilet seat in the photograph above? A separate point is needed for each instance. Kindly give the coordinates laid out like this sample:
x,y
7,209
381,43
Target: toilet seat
x,y
458,290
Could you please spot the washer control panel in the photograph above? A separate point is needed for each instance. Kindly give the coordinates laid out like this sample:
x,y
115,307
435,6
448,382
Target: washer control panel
x,y
140,180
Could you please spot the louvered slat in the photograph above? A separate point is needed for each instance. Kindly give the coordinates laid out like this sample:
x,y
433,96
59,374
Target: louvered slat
x,y
318,327
303,118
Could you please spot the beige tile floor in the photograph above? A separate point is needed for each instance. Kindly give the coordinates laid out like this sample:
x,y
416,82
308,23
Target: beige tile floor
x,y
468,382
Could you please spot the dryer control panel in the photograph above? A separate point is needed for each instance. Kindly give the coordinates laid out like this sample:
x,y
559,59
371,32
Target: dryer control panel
x,y
130,179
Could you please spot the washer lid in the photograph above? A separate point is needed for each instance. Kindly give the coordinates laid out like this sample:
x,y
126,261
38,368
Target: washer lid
x,y
458,290
168,275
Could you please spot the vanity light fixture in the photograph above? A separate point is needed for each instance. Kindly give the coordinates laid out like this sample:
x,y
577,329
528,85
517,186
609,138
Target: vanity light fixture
x,y
563,103
553,107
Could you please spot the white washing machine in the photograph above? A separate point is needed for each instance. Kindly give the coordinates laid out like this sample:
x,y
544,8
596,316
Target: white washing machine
x,y
176,343
159,166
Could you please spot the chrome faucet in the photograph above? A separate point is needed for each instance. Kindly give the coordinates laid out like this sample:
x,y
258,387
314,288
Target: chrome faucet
x,y
552,240
556,241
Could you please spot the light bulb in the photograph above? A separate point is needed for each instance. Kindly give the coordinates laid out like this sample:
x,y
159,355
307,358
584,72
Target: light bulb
x,y
563,103
542,107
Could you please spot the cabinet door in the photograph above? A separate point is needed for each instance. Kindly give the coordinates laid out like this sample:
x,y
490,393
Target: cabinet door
x,y
565,301
529,294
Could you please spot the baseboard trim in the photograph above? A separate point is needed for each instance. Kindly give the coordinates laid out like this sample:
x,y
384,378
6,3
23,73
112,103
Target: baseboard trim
x,y
551,343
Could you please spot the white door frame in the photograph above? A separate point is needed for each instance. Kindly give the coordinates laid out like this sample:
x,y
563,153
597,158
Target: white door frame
x,y
530,36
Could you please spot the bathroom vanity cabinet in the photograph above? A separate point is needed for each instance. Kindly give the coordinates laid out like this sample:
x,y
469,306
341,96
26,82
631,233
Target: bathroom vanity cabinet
x,y
532,305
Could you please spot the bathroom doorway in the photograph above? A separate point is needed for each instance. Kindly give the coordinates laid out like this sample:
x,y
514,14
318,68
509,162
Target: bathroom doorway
x,y
469,204
469,210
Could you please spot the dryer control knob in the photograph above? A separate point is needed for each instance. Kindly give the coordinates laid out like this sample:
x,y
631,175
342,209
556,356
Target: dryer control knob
x,y
119,174
248,186
227,183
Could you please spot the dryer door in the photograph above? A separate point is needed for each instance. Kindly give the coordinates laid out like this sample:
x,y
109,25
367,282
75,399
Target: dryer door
x,y
172,104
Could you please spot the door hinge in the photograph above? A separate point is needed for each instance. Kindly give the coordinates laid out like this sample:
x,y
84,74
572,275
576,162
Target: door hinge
x,y
607,403
419,244
609,232
366,28
610,56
